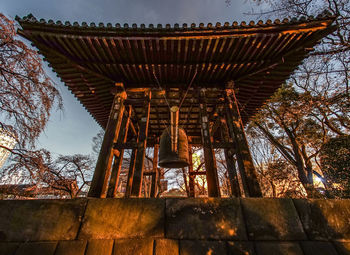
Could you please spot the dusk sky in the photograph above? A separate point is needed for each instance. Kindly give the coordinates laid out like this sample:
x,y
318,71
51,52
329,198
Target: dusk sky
x,y
72,131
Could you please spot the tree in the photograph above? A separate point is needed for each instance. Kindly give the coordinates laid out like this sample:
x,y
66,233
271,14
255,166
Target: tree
x,y
69,174
286,122
335,163
277,177
66,175
27,94
315,105
27,97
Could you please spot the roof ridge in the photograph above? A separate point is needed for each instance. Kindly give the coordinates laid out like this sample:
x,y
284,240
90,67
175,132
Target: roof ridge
x,y
325,15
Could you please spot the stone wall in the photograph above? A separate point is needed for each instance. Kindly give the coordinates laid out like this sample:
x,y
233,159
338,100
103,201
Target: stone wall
x,y
175,226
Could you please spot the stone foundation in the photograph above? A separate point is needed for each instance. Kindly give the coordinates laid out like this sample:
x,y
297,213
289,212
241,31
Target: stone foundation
x,y
175,226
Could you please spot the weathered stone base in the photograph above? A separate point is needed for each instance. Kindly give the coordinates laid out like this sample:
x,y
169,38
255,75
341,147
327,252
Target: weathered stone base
x,y
175,226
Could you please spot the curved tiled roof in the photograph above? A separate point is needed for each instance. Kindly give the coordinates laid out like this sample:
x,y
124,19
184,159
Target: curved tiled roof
x,y
258,57
175,27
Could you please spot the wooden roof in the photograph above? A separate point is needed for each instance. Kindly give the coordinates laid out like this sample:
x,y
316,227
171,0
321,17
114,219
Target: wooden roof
x,y
259,57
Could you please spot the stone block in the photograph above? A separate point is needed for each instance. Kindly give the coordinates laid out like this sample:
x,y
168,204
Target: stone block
x,y
272,219
321,248
278,248
34,248
7,248
75,247
99,247
133,246
201,247
325,219
240,248
112,218
40,220
166,247
343,248
204,218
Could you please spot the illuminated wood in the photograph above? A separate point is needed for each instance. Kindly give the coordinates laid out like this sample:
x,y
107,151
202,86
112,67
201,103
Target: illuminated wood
x,y
130,173
184,176
257,57
209,155
190,171
118,161
244,158
102,172
141,150
230,163
194,173
155,173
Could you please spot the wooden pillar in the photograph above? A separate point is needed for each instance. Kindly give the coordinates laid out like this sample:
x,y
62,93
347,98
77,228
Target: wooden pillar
x,y
155,174
131,173
184,176
118,161
209,155
102,172
230,163
244,158
141,148
191,176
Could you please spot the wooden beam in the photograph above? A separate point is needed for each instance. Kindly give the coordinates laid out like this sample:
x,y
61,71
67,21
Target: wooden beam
x,y
215,126
141,150
198,173
117,165
224,145
102,172
185,182
130,173
132,128
148,173
135,102
155,176
190,171
230,163
209,155
126,145
244,158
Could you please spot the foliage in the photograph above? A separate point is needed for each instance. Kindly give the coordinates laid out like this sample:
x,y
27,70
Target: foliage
x,y
287,124
335,163
27,94
279,179
314,106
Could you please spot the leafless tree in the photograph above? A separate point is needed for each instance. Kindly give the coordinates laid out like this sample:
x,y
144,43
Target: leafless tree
x,y
66,175
27,94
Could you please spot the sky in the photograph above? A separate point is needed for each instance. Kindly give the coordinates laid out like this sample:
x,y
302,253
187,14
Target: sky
x,y
71,131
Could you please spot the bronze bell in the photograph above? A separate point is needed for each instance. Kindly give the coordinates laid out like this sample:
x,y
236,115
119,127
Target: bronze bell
x,y
169,158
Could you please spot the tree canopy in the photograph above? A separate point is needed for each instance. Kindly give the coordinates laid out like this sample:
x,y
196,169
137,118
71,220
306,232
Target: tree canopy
x,y
27,94
335,163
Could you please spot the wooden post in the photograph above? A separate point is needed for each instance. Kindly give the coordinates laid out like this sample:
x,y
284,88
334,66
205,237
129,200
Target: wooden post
x,y
141,148
185,182
244,158
161,177
190,171
155,174
130,173
209,155
230,163
102,172
118,161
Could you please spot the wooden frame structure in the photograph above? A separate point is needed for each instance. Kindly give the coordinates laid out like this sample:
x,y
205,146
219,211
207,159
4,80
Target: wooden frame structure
x,y
129,77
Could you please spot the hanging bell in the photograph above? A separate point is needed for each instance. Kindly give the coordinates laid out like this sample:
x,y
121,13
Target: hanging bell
x,y
169,158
